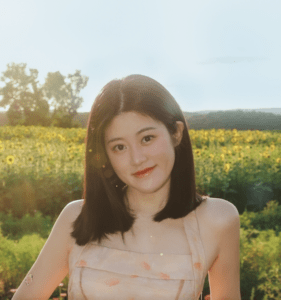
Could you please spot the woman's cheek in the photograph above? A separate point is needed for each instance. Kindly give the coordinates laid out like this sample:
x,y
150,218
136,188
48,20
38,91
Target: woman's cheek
x,y
120,164
160,148
157,146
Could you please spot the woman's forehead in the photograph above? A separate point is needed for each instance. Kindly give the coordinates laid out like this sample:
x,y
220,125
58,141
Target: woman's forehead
x,y
130,122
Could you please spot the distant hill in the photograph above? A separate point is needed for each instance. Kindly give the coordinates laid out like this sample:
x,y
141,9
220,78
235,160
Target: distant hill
x,y
242,119
276,111
239,119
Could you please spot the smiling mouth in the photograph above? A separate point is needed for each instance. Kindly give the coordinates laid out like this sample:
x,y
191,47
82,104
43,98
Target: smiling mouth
x,y
144,172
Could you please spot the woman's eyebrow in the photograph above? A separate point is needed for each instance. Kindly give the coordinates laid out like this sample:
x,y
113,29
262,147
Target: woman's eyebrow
x,y
140,131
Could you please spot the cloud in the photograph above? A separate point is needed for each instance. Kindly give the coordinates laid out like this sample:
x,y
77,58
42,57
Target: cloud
x,y
230,60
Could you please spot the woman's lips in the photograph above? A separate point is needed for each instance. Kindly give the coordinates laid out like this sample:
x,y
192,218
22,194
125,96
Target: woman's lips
x,y
143,173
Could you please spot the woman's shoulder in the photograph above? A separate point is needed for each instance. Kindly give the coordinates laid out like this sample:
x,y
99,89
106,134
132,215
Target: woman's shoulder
x,y
76,203
74,208
72,211
217,211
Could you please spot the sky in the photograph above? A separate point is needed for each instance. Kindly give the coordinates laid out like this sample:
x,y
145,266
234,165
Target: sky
x,y
210,55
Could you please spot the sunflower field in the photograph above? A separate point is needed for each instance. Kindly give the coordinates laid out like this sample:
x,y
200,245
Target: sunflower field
x,y
42,170
240,166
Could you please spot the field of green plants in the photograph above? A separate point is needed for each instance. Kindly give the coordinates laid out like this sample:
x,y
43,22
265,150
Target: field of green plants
x,y
42,170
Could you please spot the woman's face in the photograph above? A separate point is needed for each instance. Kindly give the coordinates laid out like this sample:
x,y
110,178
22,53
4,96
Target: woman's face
x,y
135,142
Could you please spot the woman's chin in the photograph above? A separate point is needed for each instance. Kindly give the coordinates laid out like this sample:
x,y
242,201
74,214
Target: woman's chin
x,y
148,187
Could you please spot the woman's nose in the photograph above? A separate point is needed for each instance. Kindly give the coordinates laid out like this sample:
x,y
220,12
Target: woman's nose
x,y
137,155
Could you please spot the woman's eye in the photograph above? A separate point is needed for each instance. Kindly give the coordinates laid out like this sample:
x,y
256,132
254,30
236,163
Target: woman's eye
x,y
117,148
120,147
148,138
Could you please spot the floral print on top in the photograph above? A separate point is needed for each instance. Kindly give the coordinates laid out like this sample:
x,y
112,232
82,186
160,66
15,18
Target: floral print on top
x,y
102,273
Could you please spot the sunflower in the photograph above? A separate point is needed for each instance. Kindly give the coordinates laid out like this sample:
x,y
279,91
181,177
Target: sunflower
x,y
10,159
30,159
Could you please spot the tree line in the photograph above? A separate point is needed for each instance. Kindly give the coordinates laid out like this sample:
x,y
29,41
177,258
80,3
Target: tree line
x,y
29,104
29,101
237,119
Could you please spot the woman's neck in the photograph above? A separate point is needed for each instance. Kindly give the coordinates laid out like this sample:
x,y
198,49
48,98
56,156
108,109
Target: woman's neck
x,y
144,205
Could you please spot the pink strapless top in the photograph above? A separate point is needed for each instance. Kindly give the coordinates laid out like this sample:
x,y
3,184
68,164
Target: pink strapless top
x,y
100,273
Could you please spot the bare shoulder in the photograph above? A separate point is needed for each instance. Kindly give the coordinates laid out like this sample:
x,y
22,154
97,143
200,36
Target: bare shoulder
x,y
217,217
75,206
223,218
219,225
73,210
217,211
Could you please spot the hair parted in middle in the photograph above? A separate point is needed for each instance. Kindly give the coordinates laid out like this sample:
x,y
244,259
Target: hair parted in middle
x,y
104,210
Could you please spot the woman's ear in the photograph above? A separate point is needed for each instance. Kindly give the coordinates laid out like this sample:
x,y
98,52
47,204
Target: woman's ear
x,y
178,135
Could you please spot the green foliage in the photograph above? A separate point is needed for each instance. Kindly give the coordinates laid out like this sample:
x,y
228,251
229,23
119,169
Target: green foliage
x,y
15,228
271,283
268,218
15,114
65,95
260,261
27,99
17,258
64,119
47,194
260,244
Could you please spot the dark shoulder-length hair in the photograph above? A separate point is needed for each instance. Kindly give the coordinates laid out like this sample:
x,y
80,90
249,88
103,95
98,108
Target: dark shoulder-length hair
x,y
104,210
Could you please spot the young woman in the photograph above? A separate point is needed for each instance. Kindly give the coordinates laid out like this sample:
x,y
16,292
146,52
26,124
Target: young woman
x,y
141,231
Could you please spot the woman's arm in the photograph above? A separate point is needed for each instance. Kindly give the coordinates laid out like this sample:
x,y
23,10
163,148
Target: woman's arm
x,y
224,275
51,265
